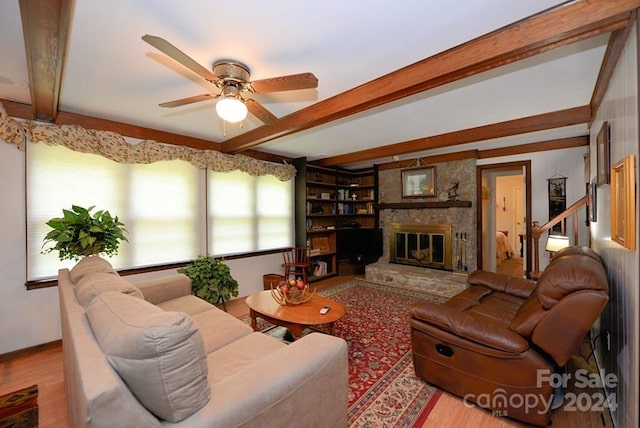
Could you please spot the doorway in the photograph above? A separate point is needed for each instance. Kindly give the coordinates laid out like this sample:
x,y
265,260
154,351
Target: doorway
x,y
504,228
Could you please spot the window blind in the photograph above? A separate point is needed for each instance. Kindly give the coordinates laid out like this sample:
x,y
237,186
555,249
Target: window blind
x,y
158,203
164,207
248,213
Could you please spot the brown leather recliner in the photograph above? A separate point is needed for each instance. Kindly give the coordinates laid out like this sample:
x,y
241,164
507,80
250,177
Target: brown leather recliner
x,y
497,343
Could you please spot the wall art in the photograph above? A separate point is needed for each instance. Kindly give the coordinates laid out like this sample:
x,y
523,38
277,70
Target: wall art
x,y
623,203
557,199
603,144
419,182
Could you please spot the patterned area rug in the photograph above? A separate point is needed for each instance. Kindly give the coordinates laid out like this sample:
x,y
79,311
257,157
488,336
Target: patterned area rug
x,y
384,391
19,409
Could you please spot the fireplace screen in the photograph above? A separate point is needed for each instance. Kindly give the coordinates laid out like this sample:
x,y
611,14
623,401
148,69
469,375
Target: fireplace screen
x,y
421,245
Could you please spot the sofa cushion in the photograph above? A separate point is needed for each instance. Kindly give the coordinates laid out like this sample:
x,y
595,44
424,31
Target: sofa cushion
x,y
573,250
190,305
91,285
218,328
88,265
159,354
528,317
568,274
241,353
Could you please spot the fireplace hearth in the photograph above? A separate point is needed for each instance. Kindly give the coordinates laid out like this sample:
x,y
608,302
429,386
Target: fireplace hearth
x,y
425,245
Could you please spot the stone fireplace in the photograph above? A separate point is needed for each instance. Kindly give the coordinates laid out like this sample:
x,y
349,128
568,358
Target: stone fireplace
x,y
458,216
425,245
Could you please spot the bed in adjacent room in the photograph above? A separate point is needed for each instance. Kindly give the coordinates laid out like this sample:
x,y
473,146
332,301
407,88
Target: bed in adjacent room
x,y
504,250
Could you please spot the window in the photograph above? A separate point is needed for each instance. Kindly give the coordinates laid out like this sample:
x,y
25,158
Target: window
x,y
248,213
164,206
158,203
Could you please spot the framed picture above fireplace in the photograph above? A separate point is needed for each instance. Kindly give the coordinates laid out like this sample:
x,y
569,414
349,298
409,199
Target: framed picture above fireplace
x,y
419,182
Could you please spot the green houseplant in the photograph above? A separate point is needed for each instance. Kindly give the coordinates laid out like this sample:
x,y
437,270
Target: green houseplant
x,y
79,233
211,279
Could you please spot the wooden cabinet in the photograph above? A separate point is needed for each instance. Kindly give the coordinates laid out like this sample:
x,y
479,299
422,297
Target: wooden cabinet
x,y
329,199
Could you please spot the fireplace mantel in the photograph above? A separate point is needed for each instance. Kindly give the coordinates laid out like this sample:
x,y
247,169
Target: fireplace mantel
x,y
426,204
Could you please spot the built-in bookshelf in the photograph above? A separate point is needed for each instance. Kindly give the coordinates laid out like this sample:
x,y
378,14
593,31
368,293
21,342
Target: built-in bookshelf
x,y
329,199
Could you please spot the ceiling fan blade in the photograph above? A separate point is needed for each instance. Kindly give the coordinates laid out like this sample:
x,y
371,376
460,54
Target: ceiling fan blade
x,y
173,52
188,100
260,112
285,83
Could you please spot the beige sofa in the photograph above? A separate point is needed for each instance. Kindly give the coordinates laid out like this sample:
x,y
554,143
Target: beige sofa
x,y
152,354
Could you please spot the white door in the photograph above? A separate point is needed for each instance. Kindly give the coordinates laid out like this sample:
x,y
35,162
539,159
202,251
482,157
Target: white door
x,y
518,219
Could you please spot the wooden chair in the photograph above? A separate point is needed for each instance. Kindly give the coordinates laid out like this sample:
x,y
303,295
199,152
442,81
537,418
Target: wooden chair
x,y
296,263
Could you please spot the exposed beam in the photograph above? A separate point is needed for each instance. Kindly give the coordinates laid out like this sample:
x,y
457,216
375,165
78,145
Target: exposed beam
x,y
134,131
612,55
19,110
427,160
24,111
524,125
543,146
565,24
45,24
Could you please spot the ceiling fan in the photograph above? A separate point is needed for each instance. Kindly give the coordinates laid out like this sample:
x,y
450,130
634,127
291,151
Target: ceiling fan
x,y
232,80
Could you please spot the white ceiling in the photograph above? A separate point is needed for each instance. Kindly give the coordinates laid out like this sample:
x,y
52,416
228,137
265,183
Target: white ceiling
x,y
110,73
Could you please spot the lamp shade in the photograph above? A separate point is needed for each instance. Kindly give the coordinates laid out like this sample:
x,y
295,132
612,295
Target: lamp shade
x,y
556,243
231,109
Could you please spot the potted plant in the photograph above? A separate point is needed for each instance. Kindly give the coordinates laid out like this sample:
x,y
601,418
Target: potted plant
x,y
211,280
79,233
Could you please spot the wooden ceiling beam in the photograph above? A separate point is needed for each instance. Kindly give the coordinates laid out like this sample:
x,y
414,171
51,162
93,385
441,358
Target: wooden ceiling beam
x,y
542,146
556,27
428,160
88,122
45,25
18,110
541,122
614,50
25,111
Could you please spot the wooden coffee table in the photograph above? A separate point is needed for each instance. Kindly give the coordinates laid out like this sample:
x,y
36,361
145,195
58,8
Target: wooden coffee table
x,y
294,318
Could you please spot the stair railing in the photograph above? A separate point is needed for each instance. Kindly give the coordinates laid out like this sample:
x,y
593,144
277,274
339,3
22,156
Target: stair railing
x,y
537,230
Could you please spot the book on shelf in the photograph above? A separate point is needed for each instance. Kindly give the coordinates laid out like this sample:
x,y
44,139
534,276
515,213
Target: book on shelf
x,y
319,268
320,243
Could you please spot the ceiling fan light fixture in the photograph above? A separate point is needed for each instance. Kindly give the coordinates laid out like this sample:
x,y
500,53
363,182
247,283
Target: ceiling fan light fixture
x,y
231,109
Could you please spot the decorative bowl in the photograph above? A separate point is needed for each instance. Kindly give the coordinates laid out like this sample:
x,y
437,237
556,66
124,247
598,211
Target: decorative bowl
x,y
290,295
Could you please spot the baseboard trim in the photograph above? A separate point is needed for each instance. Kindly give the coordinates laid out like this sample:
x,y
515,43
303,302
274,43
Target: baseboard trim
x,y
25,352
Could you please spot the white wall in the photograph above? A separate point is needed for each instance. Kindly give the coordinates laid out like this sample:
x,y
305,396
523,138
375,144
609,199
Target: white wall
x,y
31,318
619,348
28,317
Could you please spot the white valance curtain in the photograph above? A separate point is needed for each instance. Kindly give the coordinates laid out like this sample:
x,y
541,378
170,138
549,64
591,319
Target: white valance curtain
x,y
114,146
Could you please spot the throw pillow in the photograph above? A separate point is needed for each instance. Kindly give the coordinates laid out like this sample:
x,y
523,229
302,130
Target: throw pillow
x,y
97,283
88,265
159,355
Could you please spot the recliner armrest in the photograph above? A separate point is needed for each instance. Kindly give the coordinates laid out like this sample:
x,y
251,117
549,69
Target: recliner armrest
x,y
160,290
519,287
482,331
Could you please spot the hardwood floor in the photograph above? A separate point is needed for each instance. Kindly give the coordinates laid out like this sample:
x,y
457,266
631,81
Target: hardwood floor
x,y
44,368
